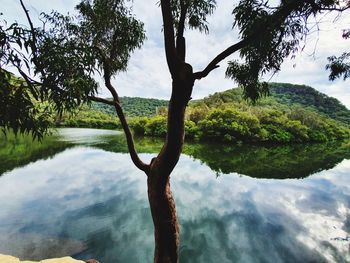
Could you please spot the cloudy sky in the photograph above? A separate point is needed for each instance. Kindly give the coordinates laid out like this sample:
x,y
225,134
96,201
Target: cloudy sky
x,y
148,76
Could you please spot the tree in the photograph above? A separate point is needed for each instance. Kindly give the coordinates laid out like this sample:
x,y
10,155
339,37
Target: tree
x,y
67,54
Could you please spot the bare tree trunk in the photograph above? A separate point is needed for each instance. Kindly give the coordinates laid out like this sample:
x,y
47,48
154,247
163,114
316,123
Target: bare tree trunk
x,y
166,227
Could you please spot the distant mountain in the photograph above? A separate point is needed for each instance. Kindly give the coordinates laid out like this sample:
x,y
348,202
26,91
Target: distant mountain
x,y
285,95
134,106
290,94
281,94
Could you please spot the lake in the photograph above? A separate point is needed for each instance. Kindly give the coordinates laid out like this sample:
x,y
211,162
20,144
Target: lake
x,y
79,194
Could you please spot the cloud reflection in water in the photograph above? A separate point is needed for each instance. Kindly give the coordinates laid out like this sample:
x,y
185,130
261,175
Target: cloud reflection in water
x,y
93,203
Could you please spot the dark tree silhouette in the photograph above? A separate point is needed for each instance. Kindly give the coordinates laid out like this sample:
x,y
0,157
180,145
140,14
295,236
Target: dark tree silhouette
x,y
66,52
340,66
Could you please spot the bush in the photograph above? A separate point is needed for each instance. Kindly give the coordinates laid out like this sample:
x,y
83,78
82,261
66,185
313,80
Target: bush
x,y
156,126
277,133
230,125
191,130
138,125
240,122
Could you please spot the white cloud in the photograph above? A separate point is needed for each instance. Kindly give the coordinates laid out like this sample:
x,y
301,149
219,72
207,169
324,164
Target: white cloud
x,y
147,74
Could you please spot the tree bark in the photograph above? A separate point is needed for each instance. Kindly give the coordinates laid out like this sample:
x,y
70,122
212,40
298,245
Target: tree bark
x,y
166,227
162,204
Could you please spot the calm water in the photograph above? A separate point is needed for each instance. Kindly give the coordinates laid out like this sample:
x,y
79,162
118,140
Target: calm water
x,y
79,194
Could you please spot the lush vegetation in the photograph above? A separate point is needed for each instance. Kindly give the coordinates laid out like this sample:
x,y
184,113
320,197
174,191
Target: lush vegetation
x,y
87,117
305,96
134,106
292,113
260,161
97,115
282,95
18,150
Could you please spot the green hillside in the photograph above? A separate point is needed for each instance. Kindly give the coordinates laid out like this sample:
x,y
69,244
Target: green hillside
x,y
292,113
284,95
134,106
289,94
98,115
87,117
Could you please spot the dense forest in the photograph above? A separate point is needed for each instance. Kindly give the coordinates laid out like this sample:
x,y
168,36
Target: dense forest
x,y
285,94
289,94
291,113
134,106
88,116
97,115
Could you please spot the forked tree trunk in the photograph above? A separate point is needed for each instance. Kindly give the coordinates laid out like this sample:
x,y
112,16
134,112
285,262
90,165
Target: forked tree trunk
x,y
166,227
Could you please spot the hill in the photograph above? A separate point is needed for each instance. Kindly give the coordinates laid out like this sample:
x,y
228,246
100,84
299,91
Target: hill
x,y
134,106
98,115
292,113
289,94
284,95
281,95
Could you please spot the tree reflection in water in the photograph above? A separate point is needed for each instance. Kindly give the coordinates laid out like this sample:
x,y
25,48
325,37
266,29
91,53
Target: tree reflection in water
x,y
97,208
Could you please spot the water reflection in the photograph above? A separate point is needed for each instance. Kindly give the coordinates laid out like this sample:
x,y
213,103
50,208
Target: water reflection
x,y
259,161
89,202
16,151
268,161
264,220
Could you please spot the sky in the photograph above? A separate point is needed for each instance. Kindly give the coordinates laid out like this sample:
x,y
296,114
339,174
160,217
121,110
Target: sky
x,y
148,76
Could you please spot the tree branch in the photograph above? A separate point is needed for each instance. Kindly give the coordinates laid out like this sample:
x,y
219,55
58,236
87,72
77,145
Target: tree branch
x,y
338,9
130,141
279,14
335,8
114,45
109,86
181,26
169,36
32,29
116,103
101,100
214,63
180,40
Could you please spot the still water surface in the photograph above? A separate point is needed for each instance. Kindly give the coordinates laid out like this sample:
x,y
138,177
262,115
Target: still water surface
x,y
84,198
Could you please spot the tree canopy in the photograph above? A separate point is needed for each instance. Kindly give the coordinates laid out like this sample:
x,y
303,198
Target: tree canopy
x,y
59,61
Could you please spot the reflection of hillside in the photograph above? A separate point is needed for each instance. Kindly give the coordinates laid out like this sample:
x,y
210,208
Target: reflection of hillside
x,y
260,161
21,150
278,162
